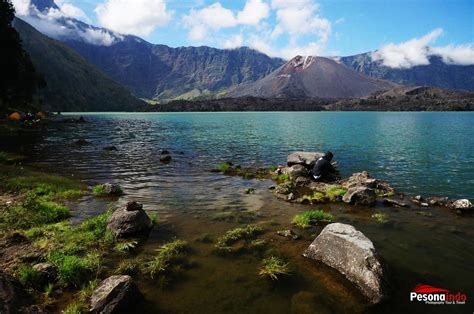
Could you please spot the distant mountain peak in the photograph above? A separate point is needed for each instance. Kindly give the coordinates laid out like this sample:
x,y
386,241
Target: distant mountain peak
x,y
298,63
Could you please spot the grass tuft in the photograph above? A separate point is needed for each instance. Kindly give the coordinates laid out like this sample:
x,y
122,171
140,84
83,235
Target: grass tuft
x,y
224,166
306,219
280,178
380,217
273,267
334,193
247,233
169,254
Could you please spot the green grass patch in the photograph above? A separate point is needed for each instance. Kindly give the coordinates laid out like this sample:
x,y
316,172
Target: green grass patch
x,y
273,168
169,255
334,193
76,308
128,267
224,166
280,178
306,219
273,267
126,246
247,234
28,275
98,190
380,217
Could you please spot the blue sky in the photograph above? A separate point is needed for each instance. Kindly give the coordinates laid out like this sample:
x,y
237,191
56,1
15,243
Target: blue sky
x,y
288,27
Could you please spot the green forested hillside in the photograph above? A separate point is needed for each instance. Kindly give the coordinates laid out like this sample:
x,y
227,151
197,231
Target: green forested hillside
x,y
72,84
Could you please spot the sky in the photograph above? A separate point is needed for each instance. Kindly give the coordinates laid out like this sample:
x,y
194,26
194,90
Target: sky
x,y
399,30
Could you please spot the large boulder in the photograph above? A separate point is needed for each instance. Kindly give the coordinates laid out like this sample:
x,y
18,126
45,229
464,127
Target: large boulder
x,y
47,272
128,221
349,251
307,159
115,294
360,195
462,204
297,171
11,294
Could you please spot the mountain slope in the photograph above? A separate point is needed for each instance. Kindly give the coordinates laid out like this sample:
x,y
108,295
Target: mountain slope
x,y
162,72
72,84
437,73
314,77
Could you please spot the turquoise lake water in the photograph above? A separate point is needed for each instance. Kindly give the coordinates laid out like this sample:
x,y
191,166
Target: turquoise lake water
x,y
417,153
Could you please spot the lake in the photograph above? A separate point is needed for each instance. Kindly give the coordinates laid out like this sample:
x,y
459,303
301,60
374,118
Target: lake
x,y
417,152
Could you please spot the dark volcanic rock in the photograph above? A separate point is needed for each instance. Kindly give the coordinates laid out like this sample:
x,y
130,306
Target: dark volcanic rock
x,y
349,251
112,189
12,297
110,148
47,272
116,294
126,222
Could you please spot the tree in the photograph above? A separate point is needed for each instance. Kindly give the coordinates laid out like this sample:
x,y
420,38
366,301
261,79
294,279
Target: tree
x,y
19,80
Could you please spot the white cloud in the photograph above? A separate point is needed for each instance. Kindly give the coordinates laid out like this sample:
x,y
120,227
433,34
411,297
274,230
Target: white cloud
x,y
234,41
407,54
298,22
72,11
254,11
22,7
137,17
417,51
460,55
215,17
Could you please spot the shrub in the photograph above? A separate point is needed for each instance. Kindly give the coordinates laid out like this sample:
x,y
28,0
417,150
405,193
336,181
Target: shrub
x,y
273,267
98,190
306,219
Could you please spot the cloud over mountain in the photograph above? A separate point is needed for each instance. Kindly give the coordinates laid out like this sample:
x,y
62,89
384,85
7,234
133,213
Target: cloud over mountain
x,y
417,51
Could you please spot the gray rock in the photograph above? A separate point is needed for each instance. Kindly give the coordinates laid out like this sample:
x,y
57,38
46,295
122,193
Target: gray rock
x,y
125,223
462,205
302,181
115,294
306,159
112,189
296,171
165,156
291,197
360,196
47,272
392,202
110,148
349,251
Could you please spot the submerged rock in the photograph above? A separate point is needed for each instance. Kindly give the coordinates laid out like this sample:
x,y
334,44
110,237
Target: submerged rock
x,y
129,221
165,156
392,202
360,195
115,294
307,159
110,148
288,234
349,251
